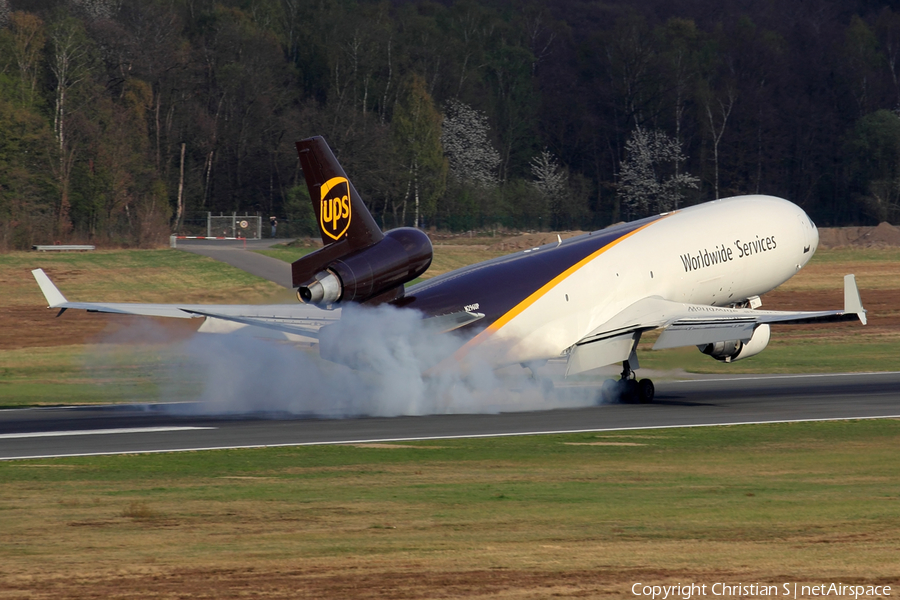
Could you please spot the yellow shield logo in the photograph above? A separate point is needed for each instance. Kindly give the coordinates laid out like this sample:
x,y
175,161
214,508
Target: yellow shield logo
x,y
334,207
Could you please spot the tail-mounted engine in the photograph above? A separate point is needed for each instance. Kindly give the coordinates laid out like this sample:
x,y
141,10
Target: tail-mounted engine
x,y
357,262
733,350
376,273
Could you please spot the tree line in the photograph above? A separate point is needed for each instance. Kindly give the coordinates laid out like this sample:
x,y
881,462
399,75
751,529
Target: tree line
x,y
121,121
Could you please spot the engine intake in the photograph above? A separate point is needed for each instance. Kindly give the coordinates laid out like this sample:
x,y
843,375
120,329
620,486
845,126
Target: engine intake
x,y
326,289
732,350
401,256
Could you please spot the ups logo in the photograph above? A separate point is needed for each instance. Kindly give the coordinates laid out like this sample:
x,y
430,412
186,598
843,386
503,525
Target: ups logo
x,y
334,207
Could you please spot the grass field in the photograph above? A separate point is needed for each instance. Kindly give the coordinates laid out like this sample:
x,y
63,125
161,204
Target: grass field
x,y
583,515
84,358
577,516
130,276
447,256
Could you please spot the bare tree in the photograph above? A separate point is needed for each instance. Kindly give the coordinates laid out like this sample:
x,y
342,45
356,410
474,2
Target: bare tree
x,y
717,123
69,49
95,10
28,42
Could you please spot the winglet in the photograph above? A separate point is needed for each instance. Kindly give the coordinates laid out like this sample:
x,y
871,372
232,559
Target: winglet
x,y
54,297
852,301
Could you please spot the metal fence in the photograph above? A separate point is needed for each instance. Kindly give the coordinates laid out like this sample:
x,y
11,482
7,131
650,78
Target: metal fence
x,y
205,224
234,226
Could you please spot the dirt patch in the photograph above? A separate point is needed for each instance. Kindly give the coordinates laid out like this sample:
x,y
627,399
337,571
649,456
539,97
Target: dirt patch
x,y
34,327
816,287
527,241
884,235
882,306
393,446
603,444
350,584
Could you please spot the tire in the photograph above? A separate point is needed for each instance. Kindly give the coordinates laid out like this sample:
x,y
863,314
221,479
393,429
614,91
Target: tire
x,y
609,392
646,391
629,391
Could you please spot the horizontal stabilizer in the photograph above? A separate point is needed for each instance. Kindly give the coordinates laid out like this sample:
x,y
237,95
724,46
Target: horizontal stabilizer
x,y
445,323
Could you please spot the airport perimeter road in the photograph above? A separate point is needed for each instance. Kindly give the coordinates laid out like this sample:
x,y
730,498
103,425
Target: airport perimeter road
x,y
33,433
236,254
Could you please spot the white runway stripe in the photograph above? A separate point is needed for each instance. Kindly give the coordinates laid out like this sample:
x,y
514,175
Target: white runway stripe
x,y
42,434
767,377
438,437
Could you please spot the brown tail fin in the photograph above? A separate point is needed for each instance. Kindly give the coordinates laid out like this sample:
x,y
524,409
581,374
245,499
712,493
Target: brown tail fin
x,y
358,263
340,211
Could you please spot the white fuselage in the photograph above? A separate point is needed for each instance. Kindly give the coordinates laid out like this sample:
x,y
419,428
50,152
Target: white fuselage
x,y
718,253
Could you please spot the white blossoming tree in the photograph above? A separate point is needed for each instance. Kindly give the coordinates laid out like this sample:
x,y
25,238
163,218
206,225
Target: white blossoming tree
x,y
649,179
95,10
464,137
549,178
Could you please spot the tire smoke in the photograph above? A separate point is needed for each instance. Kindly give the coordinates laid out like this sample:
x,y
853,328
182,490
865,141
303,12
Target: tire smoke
x,y
401,367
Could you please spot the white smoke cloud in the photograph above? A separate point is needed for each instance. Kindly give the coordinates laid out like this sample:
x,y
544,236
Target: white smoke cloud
x,y
403,368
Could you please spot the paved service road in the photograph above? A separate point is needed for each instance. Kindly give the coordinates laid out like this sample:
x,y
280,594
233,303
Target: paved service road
x,y
31,433
235,253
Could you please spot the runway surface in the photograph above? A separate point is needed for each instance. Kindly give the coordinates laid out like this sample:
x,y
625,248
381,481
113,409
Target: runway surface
x,y
52,432
240,254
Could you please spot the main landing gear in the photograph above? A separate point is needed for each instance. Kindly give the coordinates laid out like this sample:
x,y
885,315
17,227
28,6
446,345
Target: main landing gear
x,y
545,382
627,390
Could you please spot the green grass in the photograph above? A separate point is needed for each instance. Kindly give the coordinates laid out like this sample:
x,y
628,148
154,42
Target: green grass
x,y
130,276
805,501
789,356
286,253
789,500
94,374
447,257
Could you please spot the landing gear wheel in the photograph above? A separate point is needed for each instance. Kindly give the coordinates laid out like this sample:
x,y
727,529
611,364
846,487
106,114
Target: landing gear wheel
x,y
645,392
629,389
546,384
609,391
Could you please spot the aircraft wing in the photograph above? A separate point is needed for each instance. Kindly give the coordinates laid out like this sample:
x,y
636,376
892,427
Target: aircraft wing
x,y
298,319
301,319
692,325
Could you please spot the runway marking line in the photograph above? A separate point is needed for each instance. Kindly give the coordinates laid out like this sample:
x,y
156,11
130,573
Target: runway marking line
x,y
446,437
797,376
43,434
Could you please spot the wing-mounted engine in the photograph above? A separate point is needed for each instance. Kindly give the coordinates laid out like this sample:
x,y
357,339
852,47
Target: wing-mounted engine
x,y
732,350
358,263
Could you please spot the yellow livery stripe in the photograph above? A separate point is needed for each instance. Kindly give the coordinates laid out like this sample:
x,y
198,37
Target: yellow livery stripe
x,y
534,297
